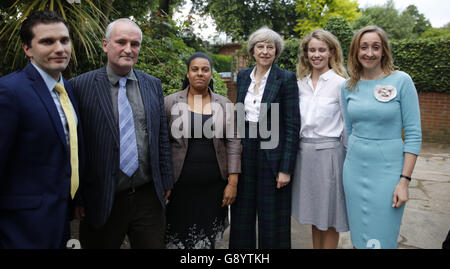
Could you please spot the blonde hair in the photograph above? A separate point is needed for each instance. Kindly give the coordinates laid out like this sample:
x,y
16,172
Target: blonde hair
x,y
264,34
304,67
354,66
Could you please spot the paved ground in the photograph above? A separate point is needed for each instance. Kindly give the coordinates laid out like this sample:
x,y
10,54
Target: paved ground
x,y
426,220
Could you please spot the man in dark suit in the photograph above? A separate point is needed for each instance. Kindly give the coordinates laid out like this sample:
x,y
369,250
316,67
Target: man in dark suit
x,y
39,153
128,169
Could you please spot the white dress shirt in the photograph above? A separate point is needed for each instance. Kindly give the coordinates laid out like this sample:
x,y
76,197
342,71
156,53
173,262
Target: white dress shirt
x,y
252,101
320,108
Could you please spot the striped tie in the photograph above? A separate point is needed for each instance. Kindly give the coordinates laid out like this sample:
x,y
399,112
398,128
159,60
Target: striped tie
x,y
128,146
73,137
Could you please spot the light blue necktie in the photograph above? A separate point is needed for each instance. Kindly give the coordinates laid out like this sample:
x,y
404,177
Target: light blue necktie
x,y
128,146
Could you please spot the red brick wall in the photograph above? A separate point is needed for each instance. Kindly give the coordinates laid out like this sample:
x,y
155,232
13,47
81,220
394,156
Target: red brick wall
x,y
435,116
229,49
231,89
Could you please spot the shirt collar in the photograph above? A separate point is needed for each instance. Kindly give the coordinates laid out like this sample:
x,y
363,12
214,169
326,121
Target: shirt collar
x,y
264,78
114,78
325,76
50,82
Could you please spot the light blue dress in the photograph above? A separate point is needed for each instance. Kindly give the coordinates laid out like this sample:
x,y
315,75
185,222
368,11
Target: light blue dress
x,y
375,155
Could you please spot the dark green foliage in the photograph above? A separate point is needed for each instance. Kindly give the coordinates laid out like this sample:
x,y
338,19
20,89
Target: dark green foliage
x,y
426,61
222,63
164,55
340,28
289,58
240,18
409,23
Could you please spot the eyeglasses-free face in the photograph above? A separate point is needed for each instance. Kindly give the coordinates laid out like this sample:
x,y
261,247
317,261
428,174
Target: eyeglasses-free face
x,y
199,73
319,55
50,48
370,51
264,53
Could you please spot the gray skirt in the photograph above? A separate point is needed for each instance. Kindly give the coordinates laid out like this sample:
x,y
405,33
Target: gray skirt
x,y
317,191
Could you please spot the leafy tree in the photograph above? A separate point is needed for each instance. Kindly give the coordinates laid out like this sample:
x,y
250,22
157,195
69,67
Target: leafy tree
x,y
164,55
443,32
239,19
85,21
421,24
315,13
408,24
140,10
340,28
289,58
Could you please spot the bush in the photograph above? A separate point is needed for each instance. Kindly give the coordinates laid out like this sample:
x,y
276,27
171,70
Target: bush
x,y
426,61
289,57
165,59
222,63
340,28
164,55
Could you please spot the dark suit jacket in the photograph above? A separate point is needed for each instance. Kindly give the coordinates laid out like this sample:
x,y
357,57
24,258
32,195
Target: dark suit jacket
x,y
228,149
34,164
282,88
102,140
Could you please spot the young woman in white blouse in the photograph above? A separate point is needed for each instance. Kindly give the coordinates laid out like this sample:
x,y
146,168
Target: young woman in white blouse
x,y
317,191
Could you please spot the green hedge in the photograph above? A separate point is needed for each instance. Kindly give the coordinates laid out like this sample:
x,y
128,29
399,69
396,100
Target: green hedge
x,y
289,58
222,63
427,61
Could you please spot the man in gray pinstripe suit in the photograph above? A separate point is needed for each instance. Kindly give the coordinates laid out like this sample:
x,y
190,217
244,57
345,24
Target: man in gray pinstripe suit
x,y
118,203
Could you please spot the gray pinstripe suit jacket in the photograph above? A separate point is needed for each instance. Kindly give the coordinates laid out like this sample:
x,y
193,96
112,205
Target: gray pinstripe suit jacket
x,y
101,132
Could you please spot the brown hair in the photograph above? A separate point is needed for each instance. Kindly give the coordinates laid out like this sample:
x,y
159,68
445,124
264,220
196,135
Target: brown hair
x,y
354,66
304,67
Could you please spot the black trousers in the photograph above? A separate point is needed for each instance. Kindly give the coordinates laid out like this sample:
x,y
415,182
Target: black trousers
x,y
139,215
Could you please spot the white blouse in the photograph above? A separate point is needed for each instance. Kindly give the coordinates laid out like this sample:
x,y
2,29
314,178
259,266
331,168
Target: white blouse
x,y
321,109
252,100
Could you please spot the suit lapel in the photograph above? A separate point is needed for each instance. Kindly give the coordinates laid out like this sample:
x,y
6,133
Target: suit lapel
x,y
103,91
182,98
243,86
39,86
271,90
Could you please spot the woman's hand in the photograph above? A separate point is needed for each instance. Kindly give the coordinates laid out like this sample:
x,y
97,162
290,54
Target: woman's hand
x,y
401,193
230,192
283,179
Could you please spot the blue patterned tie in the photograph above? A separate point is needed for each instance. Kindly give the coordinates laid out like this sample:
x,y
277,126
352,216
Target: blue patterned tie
x,y
128,146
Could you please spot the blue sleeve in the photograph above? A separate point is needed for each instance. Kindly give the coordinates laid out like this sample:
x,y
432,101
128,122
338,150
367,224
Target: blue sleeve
x,y
347,121
409,105
8,125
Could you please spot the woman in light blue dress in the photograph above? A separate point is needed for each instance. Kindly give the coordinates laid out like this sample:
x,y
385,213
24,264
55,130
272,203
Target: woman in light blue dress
x,y
378,103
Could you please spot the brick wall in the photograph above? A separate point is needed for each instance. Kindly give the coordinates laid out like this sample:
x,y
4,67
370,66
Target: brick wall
x,y
435,116
231,89
229,49
434,113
